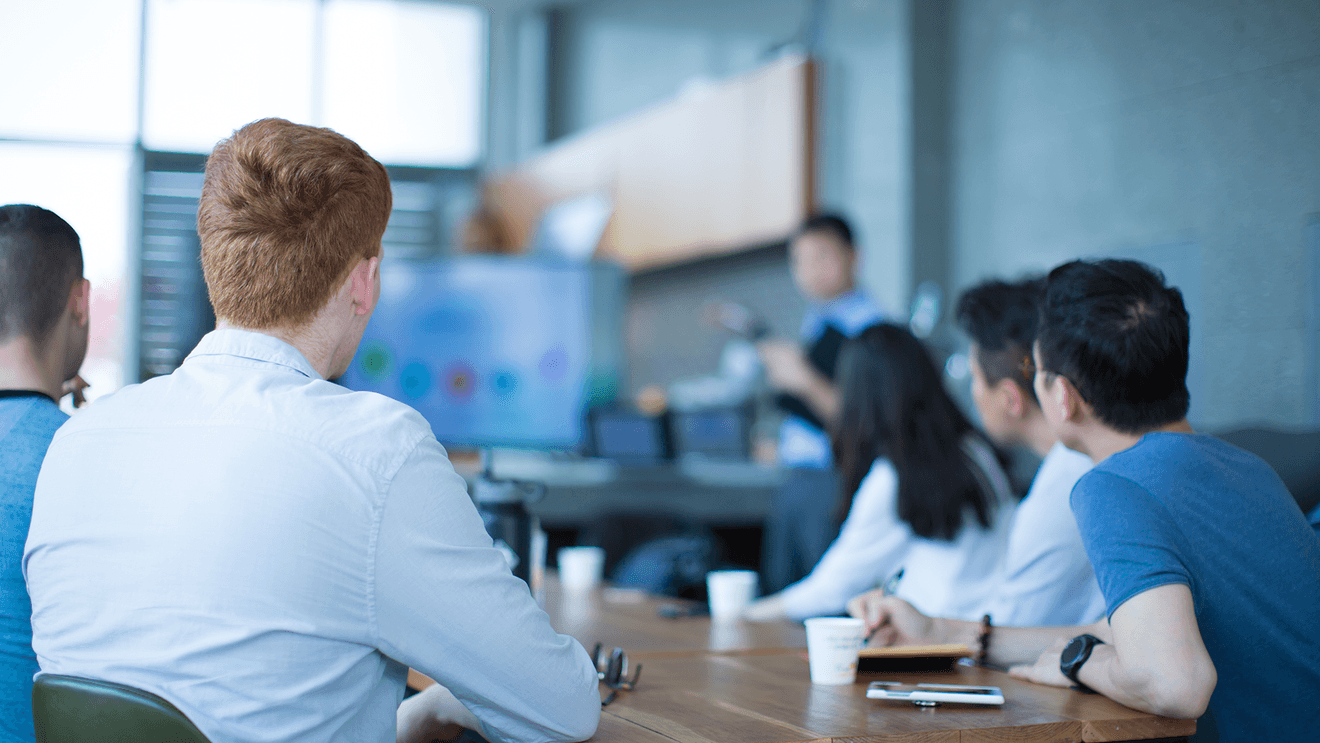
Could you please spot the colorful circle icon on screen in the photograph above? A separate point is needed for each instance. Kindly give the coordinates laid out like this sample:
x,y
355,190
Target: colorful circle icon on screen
x,y
460,381
505,384
553,365
415,380
375,361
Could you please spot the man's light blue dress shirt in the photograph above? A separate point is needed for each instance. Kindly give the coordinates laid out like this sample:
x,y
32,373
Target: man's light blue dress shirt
x,y
270,552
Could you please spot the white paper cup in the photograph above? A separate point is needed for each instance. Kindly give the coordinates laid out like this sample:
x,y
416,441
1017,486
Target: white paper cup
x,y
832,646
730,592
580,568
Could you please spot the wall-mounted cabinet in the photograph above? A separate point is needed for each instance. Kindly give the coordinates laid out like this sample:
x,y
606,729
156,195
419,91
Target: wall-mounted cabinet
x,y
721,168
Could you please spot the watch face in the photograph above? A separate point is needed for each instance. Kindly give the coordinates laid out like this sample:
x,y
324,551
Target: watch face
x,y
1072,651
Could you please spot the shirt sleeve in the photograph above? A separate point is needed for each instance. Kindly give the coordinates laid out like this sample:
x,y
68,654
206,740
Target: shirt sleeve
x,y
446,604
1129,536
870,548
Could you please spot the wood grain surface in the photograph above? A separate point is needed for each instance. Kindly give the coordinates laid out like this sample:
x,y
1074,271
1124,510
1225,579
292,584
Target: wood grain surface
x,y
769,698
741,682
633,622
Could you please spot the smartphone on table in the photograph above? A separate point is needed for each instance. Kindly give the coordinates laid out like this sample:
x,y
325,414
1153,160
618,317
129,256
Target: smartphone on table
x,y
926,695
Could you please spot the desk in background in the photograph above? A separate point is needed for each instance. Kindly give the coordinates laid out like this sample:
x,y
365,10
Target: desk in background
x,y
740,682
583,495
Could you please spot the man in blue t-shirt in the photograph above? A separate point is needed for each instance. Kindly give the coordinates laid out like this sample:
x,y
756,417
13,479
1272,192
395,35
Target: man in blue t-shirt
x,y
1210,571
43,339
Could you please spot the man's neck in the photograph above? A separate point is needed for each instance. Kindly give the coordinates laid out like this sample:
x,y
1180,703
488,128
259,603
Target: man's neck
x,y
1102,442
1037,434
314,346
22,368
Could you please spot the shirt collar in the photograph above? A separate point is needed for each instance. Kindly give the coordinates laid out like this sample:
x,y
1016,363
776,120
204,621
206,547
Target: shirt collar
x,y
27,393
847,298
250,344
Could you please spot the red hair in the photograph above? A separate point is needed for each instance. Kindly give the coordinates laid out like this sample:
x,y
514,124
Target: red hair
x,y
286,211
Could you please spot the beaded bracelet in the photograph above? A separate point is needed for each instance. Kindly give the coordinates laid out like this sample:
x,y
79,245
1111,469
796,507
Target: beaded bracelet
x,y
983,640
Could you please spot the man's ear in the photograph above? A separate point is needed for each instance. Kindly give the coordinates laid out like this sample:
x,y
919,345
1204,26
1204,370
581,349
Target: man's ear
x,y
363,287
80,301
1074,407
1014,399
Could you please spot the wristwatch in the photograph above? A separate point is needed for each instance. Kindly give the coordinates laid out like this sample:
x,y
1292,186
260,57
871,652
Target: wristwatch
x,y
1074,655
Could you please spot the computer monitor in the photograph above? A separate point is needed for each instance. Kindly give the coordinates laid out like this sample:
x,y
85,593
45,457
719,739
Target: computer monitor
x,y
492,351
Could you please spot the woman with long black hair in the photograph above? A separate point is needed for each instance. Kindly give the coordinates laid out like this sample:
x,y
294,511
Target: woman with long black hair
x,y
922,490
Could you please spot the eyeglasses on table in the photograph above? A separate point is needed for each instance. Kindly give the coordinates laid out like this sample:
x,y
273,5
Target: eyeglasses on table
x,y
612,668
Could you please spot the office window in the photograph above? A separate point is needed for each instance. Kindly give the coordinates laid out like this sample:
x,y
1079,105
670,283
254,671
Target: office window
x,y
406,80
89,188
174,310
72,81
214,65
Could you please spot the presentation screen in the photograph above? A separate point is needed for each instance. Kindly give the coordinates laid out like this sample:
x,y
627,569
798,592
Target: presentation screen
x,y
491,351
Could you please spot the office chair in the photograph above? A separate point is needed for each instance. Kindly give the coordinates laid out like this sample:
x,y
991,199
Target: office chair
x,y
1295,455
66,709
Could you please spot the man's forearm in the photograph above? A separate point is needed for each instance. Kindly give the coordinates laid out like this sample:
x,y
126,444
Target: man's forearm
x,y
823,399
1008,646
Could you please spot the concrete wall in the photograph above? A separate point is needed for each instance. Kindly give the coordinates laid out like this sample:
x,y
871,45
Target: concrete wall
x,y
1184,132
1188,130
609,58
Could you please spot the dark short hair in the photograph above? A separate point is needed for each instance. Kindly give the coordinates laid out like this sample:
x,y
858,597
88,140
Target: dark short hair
x,y
40,259
1001,319
1120,335
830,224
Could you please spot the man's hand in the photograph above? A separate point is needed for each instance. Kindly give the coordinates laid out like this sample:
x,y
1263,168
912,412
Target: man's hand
x,y
892,621
1046,668
75,387
786,368
433,714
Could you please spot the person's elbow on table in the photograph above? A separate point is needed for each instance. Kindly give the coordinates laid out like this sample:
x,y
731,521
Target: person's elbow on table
x,y
583,722
574,712
1187,700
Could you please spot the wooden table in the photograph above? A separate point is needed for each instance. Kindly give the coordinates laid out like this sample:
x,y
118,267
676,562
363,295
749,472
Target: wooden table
x,y
769,698
739,682
633,621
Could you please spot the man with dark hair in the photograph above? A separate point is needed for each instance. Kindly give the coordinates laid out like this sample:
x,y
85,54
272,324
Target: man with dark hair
x,y
267,550
1208,567
1046,578
43,339
823,261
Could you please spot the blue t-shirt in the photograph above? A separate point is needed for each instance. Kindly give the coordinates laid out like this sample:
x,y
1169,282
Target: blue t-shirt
x,y
1195,510
27,424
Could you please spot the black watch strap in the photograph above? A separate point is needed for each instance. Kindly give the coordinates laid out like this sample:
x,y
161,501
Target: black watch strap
x,y
1074,655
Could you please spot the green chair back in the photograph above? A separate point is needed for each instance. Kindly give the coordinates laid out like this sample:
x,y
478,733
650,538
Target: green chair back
x,y
66,709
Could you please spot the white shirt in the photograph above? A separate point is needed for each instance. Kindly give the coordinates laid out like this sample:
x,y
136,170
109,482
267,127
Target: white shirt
x,y
270,552
940,578
1047,579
